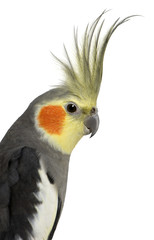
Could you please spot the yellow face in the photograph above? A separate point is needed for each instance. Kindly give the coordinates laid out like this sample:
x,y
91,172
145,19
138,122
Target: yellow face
x,y
61,122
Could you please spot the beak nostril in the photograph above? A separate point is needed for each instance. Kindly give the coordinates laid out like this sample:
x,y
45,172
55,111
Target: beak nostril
x,y
93,110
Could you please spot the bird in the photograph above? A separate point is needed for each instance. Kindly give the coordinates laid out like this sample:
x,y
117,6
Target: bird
x,y
35,152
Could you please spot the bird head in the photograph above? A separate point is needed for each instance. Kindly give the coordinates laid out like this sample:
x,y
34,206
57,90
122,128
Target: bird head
x,y
71,111
63,122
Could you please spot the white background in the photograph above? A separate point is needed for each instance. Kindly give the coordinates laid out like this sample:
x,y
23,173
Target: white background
x,y
110,192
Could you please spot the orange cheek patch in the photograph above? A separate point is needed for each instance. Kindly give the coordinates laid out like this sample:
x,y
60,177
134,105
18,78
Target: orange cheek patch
x,y
51,119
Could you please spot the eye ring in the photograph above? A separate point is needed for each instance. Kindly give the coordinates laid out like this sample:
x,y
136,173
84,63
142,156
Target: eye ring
x,y
72,108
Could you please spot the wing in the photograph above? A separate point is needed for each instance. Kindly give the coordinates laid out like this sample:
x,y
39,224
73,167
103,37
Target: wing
x,y
18,196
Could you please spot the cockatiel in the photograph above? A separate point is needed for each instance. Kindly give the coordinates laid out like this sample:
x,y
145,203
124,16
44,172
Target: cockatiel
x,y
35,152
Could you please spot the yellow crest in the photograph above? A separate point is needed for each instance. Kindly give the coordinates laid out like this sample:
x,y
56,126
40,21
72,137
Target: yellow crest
x,y
83,79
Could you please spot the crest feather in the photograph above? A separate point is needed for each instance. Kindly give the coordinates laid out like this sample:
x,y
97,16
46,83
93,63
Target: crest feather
x,y
83,79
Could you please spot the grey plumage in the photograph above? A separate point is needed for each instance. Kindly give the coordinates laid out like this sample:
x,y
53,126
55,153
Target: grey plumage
x,y
21,134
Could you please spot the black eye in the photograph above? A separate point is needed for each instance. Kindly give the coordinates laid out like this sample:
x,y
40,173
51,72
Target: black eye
x,y
71,108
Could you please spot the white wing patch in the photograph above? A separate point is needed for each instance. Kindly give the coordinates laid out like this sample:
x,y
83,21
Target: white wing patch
x,y
43,221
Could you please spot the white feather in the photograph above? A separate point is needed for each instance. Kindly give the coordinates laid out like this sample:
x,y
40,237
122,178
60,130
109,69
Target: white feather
x,y
43,221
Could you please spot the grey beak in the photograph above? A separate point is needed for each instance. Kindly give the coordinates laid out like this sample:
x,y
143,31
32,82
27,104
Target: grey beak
x,y
92,123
